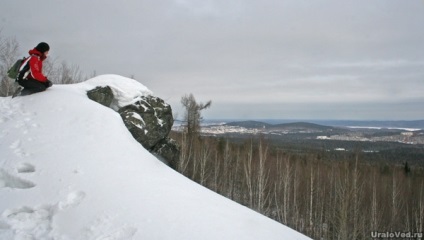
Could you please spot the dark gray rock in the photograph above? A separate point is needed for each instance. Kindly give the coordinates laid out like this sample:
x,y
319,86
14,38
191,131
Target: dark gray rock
x,y
102,95
149,120
169,150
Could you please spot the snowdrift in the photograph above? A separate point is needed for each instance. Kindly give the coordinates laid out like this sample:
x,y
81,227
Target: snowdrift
x,y
69,169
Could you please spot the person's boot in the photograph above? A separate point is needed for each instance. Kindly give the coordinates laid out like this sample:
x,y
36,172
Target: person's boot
x,y
25,92
17,91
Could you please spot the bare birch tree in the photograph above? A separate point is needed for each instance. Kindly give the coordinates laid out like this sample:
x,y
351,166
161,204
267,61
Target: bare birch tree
x,y
8,56
375,220
262,179
62,73
419,214
311,200
204,156
248,174
395,202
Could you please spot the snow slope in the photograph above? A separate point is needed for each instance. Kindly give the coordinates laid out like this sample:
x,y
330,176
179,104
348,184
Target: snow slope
x,y
69,169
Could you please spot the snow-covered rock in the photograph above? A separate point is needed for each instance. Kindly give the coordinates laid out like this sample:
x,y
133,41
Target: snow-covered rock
x,y
63,177
149,120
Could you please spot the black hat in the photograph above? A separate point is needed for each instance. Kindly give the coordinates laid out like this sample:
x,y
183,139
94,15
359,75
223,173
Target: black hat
x,y
42,47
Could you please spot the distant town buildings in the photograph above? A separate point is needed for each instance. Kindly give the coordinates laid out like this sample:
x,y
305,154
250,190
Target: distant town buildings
x,y
407,137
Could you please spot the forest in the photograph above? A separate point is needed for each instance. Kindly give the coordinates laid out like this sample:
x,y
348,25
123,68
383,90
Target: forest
x,y
320,194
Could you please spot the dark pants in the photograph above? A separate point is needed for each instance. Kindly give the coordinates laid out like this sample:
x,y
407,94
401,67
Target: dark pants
x,y
33,86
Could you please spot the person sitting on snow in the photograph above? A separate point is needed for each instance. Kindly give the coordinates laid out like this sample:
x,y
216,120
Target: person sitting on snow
x,y
31,77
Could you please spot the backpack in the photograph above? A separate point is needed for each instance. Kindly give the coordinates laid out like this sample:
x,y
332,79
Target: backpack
x,y
15,70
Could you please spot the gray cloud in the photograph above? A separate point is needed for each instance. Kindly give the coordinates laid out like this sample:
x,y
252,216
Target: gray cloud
x,y
259,59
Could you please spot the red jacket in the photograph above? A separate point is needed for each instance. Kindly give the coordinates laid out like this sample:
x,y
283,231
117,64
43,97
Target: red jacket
x,y
36,66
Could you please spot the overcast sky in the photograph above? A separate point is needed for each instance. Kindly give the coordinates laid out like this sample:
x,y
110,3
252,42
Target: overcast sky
x,y
289,59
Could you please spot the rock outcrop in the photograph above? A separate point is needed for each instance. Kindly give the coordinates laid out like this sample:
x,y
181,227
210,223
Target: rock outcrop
x,y
102,95
149,120
168,149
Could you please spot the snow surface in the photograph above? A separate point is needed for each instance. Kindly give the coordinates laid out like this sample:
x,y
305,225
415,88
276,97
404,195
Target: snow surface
x,y
69,169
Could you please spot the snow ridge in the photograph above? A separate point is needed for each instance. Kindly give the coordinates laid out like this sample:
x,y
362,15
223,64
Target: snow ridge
x,y
69,169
